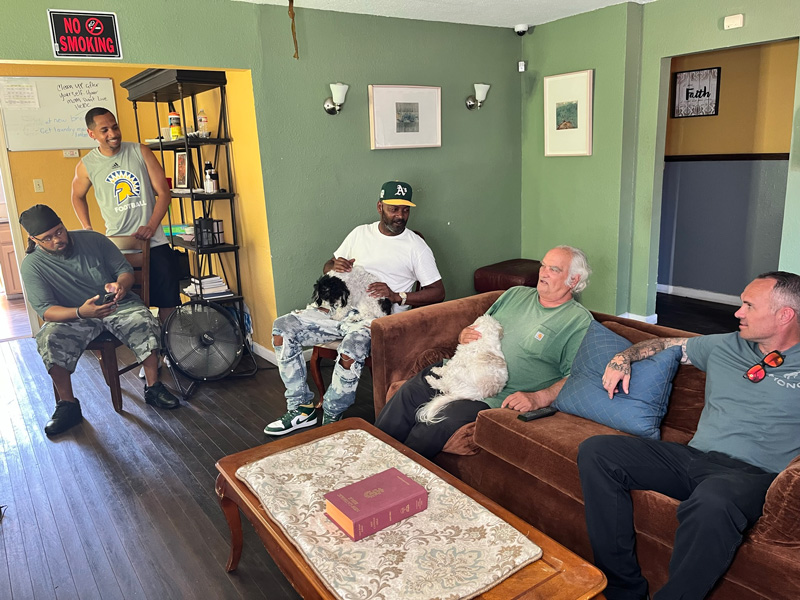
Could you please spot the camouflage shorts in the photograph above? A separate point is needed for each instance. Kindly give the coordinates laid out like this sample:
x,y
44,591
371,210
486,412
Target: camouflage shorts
x,y
63,343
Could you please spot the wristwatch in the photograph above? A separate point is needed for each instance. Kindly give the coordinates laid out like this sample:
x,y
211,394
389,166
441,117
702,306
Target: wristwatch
x,y
403,297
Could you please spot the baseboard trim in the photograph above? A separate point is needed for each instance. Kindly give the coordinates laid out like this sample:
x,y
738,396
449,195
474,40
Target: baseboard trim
x,y
269,355
676,290
652,319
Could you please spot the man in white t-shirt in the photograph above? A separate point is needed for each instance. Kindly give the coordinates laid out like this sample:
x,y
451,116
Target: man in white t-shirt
x,y
399,258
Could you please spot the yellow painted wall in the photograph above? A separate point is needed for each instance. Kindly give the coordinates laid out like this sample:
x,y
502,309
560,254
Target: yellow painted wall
x,y
755,104
57,172
256,258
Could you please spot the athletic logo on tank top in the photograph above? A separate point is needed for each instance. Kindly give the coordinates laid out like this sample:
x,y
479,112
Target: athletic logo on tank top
x,y
126,185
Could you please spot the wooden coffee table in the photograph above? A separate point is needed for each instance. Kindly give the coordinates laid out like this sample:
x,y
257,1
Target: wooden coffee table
x,y
558,575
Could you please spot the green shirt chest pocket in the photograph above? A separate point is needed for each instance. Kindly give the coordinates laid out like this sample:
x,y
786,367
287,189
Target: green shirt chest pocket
x,y
538,344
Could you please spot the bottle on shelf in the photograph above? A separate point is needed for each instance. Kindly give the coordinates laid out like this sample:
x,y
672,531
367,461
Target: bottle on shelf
x,y
175,131
211,181
202,124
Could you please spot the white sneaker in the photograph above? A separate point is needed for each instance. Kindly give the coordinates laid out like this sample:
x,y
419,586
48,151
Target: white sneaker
x,y
304,416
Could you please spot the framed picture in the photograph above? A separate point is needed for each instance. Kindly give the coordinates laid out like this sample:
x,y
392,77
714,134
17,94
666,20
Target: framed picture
x,y
696,93
405,116
568,114
181,170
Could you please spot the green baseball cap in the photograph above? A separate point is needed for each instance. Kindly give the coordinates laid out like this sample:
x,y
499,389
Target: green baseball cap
x,y
397,193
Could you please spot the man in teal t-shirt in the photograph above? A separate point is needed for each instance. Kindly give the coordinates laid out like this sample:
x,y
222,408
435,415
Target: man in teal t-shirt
x,y
542,329
67,275
747,433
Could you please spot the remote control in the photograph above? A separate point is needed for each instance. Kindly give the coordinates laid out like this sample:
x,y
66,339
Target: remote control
x,y
539,413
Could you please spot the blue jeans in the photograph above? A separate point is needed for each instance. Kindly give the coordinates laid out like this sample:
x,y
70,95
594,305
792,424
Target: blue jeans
x,y
720,497
308,327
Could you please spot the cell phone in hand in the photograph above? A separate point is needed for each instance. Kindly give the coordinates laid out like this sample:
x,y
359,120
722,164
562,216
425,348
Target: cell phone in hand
x,y
109,297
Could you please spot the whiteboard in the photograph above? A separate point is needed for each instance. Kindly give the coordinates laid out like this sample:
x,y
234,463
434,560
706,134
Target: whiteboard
x,y
47,113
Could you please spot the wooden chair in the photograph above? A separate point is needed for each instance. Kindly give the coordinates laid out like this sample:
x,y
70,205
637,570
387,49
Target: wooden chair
x,y
137,253
329,350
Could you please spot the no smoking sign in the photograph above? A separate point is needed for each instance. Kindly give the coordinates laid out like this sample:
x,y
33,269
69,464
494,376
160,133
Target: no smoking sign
x,y
84,34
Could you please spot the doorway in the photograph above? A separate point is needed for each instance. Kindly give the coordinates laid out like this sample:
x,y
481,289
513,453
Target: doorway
x,y
14,322
725,177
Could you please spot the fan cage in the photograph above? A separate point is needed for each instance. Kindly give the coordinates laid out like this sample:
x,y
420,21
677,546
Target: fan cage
x,y
203,341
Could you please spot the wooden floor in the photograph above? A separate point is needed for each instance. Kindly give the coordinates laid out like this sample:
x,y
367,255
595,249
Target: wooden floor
x,y
13,318
123,505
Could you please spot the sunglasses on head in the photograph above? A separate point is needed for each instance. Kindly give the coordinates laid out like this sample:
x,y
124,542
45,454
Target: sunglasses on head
x,y
758,372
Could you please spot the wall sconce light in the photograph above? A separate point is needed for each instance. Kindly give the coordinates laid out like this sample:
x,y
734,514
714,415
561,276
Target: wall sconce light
x,y
334,104
476,101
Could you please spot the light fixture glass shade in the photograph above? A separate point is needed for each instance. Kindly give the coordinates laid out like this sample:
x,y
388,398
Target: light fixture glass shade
x,y
339,91
481,89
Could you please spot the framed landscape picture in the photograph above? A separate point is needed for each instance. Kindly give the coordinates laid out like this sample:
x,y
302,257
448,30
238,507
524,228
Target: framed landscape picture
x,y
405,116
696,93
568,114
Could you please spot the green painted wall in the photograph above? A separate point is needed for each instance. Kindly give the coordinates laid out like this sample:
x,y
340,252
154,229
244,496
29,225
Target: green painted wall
x,y
320,177
610,203
675,27
576,200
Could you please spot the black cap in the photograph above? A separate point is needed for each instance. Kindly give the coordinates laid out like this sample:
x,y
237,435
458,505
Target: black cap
x,y
38,219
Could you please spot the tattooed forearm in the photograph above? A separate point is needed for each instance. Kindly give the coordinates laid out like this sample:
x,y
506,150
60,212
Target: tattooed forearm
x,y
646,349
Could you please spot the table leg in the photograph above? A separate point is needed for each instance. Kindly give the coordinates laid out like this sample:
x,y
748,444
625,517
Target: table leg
x,y
231,511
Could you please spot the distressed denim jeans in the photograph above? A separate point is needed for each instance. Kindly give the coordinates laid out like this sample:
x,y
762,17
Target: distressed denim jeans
x,y
308,327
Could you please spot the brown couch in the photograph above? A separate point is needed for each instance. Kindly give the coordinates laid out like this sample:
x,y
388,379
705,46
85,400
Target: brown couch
x,y
530,468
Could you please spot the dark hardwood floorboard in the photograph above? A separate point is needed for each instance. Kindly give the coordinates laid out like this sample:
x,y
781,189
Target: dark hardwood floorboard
x,y
69,567
13,318
699,316
15,564
123,505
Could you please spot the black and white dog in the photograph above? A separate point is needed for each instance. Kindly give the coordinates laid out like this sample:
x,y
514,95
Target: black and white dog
x,y
345,296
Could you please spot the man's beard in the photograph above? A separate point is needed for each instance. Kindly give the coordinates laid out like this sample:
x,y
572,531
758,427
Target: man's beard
x,y
396,229
66,252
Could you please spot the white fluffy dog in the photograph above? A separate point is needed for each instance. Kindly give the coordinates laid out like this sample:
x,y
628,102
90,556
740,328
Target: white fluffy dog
x,y
477,370
345,296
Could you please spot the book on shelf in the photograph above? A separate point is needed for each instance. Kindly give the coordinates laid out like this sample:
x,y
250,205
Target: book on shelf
x,y
208,279
193,289
367,506
214,295
178,229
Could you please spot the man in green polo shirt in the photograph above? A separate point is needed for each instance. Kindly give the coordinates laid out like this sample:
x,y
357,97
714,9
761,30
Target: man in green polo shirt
x,y
542,329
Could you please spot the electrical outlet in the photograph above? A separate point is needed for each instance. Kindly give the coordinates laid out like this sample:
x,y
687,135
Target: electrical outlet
x,y
733,21
38,186
71,153
522,66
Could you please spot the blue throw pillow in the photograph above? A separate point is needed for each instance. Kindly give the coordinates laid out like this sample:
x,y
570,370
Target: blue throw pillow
x,y
639,412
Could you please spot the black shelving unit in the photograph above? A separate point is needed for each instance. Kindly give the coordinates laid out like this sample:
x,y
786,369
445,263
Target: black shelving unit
x,y
180,87
172,86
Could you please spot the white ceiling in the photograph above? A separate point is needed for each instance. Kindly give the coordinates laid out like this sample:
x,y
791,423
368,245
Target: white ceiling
x,y
496,13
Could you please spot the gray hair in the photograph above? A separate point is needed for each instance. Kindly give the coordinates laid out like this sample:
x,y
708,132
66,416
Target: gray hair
x,y
786,291
579,265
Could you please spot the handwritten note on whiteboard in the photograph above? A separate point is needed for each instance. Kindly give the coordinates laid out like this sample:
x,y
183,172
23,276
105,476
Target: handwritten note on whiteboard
x,y
47,113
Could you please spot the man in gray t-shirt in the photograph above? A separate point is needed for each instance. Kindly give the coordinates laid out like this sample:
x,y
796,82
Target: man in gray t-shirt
x,y
747,433
79,283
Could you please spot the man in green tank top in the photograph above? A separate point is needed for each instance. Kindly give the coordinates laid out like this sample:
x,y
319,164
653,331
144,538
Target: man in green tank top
x,y
133,195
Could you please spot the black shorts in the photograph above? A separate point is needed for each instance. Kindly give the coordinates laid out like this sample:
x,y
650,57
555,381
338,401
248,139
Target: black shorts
x,y
165,290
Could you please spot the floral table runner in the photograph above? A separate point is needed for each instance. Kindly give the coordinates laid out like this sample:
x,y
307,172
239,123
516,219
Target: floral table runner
x,y
454,549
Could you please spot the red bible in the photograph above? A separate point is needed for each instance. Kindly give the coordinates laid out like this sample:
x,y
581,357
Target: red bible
x,y
364,507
